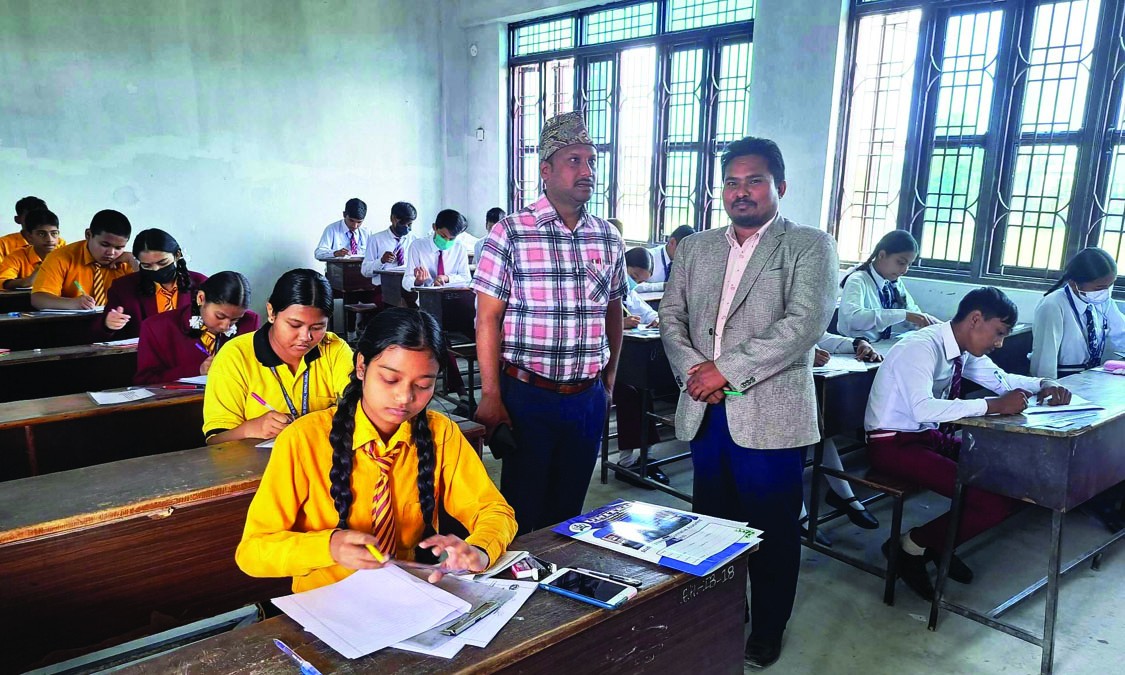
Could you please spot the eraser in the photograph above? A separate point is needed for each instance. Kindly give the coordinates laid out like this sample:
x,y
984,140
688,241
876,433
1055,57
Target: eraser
x,y
1114,366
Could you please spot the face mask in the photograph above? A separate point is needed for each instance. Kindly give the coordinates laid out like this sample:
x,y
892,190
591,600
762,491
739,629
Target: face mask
x,y
631,282
399,230
442,243
1094,297
164,275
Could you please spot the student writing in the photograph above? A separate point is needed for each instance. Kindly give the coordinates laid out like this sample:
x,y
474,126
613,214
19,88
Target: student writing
x,y
662,257
346,237
439,260
293,363
373,471
41,229
875,302
162,284
1078,318
183,342
386,250
78,275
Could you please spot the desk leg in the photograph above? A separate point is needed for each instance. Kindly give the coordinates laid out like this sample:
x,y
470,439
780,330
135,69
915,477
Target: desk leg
x,y
814,489
32,455
1052,608
947,554
642,460
472,386
605,450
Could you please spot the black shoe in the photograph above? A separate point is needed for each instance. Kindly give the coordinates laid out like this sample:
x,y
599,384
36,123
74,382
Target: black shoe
x,y
657,475
821,538
762,653
912,570
958,570
626,478
859,517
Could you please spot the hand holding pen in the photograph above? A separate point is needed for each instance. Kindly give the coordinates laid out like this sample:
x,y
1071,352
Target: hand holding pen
x,y
270,424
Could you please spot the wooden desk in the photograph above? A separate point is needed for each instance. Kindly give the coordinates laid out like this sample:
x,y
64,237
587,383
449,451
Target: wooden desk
x,y
89,556
67,432
675,624
15,301
349,285
391,283
1056,468
454,308
42,331
54,371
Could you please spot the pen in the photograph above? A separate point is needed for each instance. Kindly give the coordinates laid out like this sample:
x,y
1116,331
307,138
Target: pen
x,y
1003,380
628,581
261,400
204,350
731,392
306,667
79,287
195,387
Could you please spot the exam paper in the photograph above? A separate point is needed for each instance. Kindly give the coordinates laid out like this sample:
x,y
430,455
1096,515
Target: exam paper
x,y
198,379
1076,403
44,312
266,444
128,342
838,362
113,397
433,643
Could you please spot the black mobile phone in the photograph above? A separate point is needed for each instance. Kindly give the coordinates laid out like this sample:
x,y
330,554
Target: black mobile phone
x,y
502,443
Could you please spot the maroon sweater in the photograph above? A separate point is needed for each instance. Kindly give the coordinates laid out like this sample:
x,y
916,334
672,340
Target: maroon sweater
x,y
167,351
125,292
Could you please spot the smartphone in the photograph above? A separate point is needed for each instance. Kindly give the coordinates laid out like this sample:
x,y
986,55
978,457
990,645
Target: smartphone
x,y
588,588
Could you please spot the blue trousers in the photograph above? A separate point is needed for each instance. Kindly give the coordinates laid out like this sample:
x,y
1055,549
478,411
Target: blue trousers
x,y
558,438
763,489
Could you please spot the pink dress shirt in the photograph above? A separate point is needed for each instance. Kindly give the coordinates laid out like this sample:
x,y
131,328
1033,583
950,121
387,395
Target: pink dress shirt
x,y
737,259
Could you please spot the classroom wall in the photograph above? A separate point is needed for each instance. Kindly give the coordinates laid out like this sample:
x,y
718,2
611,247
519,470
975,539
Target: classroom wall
x,y
240,126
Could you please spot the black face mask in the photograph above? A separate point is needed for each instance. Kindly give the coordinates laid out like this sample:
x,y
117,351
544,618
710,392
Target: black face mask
x,y
163,275
399,230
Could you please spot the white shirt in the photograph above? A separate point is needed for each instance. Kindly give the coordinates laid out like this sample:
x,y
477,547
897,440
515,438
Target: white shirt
x,y
836,344
657,280
335,237
424,253
910,386
637,306
1059,337
861,312
381,242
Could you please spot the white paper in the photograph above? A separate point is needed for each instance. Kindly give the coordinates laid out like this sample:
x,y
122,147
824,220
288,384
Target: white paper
x,y
266,444
371,610
488,627
198,379
838,362
129,342
96,310
433,643
113,397
644,332
1077,403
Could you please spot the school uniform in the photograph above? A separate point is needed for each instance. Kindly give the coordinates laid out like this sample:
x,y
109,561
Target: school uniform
x,y
292,516
248,365
661,269
384,241
73,263
169,349
10,243
126,293
1070,335
337,236
836,344
873,308
19,265
915,391
453,263
637,306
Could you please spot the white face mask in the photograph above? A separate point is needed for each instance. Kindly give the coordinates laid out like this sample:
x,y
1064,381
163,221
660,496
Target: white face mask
x,y
1094,297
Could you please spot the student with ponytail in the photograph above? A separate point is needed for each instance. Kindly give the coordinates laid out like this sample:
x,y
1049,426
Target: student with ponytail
x,y
183,342
875,303
373,471
259,383
163,283
1078,318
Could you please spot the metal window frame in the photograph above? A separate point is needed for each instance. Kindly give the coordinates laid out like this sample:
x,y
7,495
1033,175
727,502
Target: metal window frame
x,y
1095,140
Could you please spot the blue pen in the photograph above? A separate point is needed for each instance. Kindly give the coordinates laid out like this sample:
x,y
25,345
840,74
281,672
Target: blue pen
x,y
306,667
202,349
1003,380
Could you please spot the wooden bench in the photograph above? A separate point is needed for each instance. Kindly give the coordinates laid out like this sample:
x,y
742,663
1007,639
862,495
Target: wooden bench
x,y
53,371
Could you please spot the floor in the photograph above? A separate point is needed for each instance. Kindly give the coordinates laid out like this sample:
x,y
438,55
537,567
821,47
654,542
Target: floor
x,y
840,624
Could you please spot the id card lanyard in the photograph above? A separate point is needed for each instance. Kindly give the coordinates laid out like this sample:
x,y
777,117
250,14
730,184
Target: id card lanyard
x,y
1099,345
304,393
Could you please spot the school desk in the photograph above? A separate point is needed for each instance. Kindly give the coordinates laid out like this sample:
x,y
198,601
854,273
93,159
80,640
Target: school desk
x,y
1056,461
53,371
15,301
45,435
454,308
675,624
391,283
349,285
31,331
100,555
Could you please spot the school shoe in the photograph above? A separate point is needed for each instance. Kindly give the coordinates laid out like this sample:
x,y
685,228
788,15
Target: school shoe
x,y
762,653
958,570
626,478
859,517
912,570
821,538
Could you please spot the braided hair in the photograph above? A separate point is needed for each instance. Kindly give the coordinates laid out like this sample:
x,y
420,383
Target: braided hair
x,y
160,241
895,241
395,327
1089,264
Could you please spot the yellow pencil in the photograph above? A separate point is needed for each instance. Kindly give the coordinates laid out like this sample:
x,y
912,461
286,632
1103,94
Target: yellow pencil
x,y
377,553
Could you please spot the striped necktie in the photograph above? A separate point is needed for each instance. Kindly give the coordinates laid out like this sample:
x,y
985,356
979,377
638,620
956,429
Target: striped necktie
x,y
887,300
1092,340
382,508
353,248
98,289
948,428
399,260
440,264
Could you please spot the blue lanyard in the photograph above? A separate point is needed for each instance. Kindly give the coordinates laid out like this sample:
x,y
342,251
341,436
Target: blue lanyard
x,y
1098,347
304,393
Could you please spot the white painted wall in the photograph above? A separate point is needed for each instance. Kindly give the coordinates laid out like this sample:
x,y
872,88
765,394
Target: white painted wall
x,y
240,126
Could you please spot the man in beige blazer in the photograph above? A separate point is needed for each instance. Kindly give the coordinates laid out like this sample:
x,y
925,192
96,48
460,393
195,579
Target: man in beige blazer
x,y
740,316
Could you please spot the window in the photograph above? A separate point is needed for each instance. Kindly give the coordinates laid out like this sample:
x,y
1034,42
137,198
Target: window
x,y
664,85
991,131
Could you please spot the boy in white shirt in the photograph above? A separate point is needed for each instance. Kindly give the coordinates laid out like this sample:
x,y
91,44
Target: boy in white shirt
x,y
916,393
494,215
662,257
387,248
439,260
345,238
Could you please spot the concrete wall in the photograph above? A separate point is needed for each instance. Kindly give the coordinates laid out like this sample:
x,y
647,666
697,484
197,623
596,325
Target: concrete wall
x,y
240,126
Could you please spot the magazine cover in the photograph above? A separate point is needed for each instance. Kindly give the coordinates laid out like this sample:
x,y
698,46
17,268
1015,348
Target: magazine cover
x,y
684,541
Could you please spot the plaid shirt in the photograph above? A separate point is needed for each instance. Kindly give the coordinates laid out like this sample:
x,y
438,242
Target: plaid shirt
x,y
557,284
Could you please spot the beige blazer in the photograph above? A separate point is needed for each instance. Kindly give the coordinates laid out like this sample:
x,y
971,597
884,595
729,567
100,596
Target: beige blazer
x,y
780,309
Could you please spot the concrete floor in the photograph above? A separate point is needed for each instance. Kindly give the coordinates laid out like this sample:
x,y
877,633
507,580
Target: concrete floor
x,y
840,624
